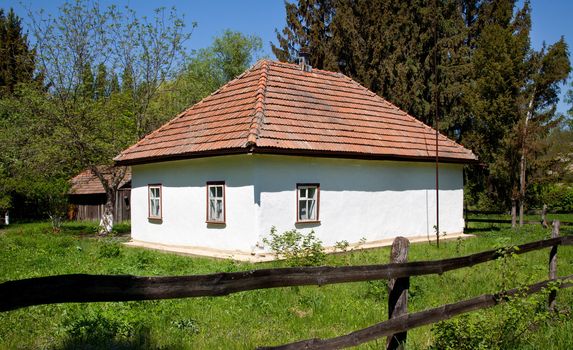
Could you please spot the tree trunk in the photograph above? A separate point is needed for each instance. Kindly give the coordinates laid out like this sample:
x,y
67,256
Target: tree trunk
x,y
544,217
110,178
513,213
522,164
106,222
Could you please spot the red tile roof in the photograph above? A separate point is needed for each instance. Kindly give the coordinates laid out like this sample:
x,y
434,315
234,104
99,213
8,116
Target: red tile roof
x,y
279,108
87,183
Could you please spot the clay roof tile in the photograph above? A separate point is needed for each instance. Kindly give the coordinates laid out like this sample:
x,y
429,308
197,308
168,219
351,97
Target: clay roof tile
x,y
276,107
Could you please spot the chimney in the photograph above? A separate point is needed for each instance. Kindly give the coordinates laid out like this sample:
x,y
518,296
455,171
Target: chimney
x,y
304,59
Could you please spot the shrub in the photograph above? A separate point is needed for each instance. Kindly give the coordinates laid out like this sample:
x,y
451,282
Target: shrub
x,y
377,290
296,248
109,249
558,198
101,330
187,324
512,326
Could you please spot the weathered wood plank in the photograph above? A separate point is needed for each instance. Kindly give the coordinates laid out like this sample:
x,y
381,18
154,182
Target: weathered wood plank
x,y
544,216
500,221
553,265
398,292
508,221
94,288
409,321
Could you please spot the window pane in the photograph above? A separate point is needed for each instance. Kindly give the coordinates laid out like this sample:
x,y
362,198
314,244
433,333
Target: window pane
x,y
302,193
302,212
219,210
220,191
311,209
212,210
311,192
212,191
154,207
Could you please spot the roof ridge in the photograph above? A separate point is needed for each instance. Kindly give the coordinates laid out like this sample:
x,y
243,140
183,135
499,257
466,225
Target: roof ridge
x,y
259,113
296,66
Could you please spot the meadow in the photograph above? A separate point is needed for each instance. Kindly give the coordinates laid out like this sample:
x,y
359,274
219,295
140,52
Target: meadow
x,y
246,320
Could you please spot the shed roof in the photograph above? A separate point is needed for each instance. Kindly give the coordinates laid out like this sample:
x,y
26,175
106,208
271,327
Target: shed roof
x,y
87,183
279,108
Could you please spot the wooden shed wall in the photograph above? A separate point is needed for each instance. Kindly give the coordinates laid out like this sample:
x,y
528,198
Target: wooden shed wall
x,y
92,209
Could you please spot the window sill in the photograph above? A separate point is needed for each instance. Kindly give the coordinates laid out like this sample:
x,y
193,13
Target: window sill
x,y
215,222
308,222
154,218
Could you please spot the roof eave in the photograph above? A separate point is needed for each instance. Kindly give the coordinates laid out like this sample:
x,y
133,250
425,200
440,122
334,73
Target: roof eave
x,y
181,156
293,152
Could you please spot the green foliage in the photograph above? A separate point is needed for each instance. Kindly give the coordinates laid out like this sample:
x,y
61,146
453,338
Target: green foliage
x,y
308,26
110,248
341,245
188,325
254,318
17,59
106,327
470,62
377,290
296,248
510,328
204,72
558,198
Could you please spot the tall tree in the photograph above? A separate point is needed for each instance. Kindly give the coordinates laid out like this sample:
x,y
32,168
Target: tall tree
x,y
308,26
205,71
17,65
17,60
548,69
498,72
467,61
84,38
389,47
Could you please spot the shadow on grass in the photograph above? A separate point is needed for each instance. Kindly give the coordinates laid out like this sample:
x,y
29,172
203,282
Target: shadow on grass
x,y
481,229
96,341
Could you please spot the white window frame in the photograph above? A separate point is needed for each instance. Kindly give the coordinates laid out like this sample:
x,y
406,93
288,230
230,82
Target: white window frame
x,y
152,198
211,198
304,200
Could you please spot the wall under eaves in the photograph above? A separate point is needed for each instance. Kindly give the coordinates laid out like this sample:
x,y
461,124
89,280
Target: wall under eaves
x,y
359,199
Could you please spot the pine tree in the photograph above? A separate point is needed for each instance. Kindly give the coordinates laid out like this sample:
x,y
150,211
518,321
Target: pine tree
x,y
101,84
17,60
309,27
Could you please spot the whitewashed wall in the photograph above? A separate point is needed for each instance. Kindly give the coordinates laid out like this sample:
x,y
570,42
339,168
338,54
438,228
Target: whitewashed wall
x,y
358,198
184,203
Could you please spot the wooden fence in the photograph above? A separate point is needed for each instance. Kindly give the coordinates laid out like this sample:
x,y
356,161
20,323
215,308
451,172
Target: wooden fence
x,y
96,288
542,218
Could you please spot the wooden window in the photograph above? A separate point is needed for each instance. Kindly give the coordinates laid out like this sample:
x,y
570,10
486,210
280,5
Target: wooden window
x,y
216,202
307,202
154,204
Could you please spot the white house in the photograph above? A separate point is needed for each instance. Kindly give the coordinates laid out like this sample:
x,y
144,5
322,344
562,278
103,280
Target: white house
x,y
288,146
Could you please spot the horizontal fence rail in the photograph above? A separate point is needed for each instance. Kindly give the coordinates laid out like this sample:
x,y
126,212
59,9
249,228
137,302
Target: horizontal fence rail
x,y
97,288
413,320
469,213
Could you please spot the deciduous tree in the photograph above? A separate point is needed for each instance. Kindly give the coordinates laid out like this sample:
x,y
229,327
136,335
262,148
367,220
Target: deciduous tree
x,y
95,126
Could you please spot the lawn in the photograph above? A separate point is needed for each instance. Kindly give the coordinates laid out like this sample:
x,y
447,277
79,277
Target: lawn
x,y
254,318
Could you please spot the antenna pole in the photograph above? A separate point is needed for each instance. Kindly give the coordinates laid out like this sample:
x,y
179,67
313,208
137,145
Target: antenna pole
x,y
436,122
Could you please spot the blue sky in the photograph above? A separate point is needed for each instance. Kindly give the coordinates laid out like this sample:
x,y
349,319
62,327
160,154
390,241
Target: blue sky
x,y
551,18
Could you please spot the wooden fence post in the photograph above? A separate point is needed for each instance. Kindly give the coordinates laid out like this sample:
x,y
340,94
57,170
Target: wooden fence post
x,y
544,216
398,292
553,264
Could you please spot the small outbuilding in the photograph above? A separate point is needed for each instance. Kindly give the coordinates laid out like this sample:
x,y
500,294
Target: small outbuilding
x,y
291,147
87,198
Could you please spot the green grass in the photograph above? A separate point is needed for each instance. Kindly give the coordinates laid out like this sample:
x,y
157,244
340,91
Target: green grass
x,y
247,319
